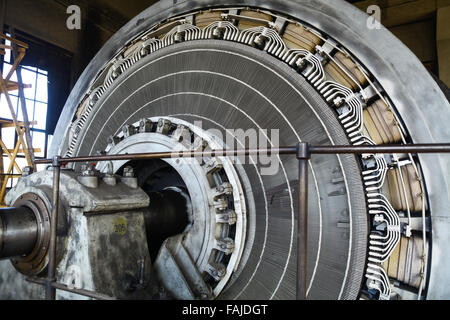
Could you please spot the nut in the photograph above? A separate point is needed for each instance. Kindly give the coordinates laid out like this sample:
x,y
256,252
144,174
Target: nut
x,y
128,172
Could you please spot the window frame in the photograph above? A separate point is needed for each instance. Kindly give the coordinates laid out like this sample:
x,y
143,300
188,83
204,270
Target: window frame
x,y
7,59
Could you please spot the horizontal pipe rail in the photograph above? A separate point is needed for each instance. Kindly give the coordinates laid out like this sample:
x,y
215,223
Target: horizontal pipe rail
x,y
82,292
415,148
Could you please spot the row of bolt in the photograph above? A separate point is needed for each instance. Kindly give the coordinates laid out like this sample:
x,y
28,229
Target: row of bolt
x,y
89,177
86,171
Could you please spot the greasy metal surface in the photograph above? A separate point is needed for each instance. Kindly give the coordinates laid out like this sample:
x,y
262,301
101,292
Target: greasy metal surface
x,y
117,243
178,273
181,284
92,216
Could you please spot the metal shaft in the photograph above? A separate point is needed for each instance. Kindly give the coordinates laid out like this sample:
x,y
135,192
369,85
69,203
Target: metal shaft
x,y
416,148
61,286
50,290
18,232
303,157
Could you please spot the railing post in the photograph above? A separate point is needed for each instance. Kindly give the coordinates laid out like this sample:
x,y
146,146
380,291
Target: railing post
x,y
303,155
50,291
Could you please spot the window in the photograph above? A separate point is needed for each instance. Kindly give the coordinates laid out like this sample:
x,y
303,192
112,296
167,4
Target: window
x,y
36,100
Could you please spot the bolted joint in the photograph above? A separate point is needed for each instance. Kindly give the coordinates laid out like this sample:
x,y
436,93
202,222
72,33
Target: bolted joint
x,y
128,172
128,177
303,151
56,161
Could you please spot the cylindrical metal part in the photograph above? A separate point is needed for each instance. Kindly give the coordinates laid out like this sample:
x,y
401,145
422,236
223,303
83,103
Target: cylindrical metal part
x,y
176,154
414,148
332,149
18,232
61,286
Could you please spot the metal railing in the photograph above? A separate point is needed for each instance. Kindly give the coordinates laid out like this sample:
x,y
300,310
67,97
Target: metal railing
x,y
303,152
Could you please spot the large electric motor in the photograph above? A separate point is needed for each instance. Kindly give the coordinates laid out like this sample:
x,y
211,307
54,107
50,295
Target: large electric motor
x,y
210,75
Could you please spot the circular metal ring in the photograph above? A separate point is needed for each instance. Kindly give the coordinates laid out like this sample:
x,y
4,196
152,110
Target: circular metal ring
x,y
35,262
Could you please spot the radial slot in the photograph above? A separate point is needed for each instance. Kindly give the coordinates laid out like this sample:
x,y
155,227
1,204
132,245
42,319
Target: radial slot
x,y
179,273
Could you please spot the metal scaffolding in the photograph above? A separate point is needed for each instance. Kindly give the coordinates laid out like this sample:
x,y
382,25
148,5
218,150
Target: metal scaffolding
x,y
24,144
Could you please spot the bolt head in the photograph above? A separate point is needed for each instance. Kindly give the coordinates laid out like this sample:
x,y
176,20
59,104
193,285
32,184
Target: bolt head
x,y
87,170
128,172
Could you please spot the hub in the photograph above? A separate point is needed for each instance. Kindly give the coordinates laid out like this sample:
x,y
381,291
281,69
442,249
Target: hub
x,y
197,209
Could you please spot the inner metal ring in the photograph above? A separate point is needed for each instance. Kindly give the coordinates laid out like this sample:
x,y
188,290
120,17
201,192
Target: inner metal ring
x,y
36,260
